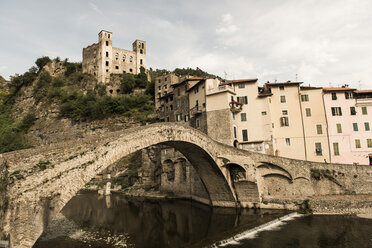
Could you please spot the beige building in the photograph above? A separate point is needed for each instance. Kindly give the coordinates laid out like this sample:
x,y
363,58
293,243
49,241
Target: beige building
x,y
102,59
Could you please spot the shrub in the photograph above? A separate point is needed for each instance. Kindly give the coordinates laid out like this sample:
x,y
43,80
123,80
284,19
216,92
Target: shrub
x,y
41,62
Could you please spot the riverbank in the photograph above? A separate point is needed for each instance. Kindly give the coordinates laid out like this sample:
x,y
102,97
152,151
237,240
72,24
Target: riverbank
x,y
325,204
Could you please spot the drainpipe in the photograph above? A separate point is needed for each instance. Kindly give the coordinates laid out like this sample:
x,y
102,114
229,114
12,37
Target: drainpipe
x,y
302,121
329,143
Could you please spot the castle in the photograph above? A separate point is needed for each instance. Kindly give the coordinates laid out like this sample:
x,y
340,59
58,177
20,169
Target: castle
x,y
102,59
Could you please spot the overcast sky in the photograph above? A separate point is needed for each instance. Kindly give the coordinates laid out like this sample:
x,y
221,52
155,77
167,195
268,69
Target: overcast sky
x,y
323,42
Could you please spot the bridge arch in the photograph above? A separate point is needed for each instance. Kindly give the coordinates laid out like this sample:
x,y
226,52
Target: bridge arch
x,y
52,188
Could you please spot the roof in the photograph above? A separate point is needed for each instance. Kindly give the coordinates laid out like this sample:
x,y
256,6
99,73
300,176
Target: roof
x,y
338,89
310,88
104,31
283,83
363,91
196,84
187,79
251,80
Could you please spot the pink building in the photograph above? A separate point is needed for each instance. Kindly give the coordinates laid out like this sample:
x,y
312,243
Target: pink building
x,y
349,120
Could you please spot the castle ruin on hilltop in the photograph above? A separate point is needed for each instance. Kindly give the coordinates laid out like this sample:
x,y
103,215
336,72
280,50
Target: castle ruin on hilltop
x,y
102,59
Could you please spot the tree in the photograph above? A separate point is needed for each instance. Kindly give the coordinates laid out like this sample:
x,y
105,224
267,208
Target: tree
x,y
41,62
128,83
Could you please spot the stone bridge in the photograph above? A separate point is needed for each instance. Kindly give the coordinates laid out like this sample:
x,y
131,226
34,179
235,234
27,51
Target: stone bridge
x,y
44,179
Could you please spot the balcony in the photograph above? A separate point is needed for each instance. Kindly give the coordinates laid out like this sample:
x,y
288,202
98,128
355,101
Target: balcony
x,y
235,106
196,110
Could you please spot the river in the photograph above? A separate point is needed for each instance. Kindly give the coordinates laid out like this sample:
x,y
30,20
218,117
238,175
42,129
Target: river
x,y
89,220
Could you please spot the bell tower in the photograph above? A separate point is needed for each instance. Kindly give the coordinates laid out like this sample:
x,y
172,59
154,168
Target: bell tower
x,y
105,54
139,47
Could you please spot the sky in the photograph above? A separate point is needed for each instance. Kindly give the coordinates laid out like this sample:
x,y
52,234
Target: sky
x,y
324,43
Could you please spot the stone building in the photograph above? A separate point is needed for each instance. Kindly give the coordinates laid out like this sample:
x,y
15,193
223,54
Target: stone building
x,y
102,59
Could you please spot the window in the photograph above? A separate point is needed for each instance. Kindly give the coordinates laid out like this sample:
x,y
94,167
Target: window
x,y
171,107
186,118
141,61
234,132
357,143
159,87
124,56
284,112
131,58
196,90
197,123
141,51
263,113
243,99
106,43
143,45
109,36
308,112
197,103
233,115
348,95
318,149
107,54
116,54
232,98
111,91
336,151
245,134
319,129
355,127
116,67
366,126
107,63
165,79
243,117
284,121
241,86
339,128
334,96
336,111
288,141
130,70
369,143
304,98
165,86
178,92
282,99
281,87
178,117
352,111
364,110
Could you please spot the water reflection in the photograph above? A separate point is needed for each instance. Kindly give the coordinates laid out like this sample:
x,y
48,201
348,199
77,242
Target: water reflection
x,y
155,223
316,231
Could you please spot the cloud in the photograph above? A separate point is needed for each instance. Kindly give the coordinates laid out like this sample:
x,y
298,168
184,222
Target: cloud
x,y
227,26
95,8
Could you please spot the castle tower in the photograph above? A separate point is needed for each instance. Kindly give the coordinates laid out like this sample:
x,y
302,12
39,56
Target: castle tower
x,y
104,56
139,47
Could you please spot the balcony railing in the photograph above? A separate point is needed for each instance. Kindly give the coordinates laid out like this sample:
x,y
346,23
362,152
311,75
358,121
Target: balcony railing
x,y
196,110
236,106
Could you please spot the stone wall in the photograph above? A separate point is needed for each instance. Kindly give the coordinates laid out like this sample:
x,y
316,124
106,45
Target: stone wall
x,y
4,181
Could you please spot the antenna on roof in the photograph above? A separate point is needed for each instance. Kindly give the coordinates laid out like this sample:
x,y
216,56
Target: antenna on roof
x,y
224,72
296,77
359,85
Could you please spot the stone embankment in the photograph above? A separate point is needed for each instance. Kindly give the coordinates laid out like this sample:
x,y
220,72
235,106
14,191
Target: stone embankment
x,y
324,204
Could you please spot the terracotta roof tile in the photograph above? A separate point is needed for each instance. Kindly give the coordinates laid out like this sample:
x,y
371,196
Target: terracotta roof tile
x,y
363,91
338,89
251,80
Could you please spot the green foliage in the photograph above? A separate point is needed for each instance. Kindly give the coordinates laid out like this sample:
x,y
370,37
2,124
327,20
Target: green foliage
x,y
18,81
127,83
72,67
193,72
43,164
80,107
27,122
42,86
305,207
41,62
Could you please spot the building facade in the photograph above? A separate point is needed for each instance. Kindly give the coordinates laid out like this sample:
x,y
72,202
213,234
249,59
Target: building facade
x,y
348,114
102,59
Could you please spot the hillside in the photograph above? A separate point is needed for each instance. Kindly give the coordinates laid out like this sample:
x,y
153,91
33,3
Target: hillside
x,y
55,101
